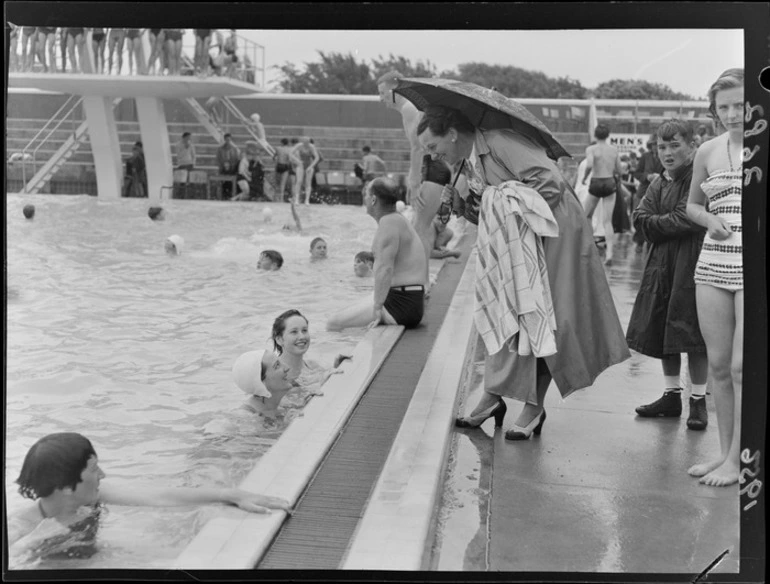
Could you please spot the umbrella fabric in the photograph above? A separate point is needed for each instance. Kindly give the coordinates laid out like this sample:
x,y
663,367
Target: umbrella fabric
x,y
485,108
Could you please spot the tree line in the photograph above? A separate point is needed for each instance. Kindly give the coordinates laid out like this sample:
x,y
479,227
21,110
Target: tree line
x,y
338,73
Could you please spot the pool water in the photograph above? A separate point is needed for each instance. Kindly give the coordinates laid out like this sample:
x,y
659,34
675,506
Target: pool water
x,y
109,336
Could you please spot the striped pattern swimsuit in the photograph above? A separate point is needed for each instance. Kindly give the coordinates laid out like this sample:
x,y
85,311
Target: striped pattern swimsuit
x,y
721,262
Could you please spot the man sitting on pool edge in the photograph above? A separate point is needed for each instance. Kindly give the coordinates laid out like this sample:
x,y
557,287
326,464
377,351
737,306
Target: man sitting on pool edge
x,y
61,474
400,266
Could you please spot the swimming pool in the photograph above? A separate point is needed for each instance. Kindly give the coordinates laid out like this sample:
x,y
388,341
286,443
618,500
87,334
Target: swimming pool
x,y
110,337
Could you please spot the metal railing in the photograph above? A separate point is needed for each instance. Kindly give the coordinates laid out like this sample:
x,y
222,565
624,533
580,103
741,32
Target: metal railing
x,y
73,101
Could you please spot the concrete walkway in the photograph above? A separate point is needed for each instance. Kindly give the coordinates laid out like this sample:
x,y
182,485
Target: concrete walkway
x,y
600,490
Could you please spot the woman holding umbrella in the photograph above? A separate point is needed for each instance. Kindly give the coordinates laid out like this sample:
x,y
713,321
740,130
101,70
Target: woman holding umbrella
x,y
505,143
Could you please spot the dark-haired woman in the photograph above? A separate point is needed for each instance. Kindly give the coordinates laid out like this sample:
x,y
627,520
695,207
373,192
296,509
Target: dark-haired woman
x,y
291,339
588,335
62,478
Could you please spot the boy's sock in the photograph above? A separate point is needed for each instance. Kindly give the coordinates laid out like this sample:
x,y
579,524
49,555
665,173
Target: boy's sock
x,y
672,383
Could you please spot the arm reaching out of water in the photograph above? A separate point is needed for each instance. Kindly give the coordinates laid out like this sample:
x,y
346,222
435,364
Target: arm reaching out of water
x,y
184,496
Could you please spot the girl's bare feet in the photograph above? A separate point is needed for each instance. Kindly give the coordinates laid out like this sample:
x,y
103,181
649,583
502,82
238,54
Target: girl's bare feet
x,y
702,469
726,474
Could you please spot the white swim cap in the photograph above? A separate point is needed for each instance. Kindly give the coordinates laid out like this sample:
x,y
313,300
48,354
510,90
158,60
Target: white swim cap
x,y
247,373
178,242
255,118
267,212
400,206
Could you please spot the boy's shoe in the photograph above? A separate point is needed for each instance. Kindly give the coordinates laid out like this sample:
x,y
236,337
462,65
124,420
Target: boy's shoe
x,y
699,417
668,406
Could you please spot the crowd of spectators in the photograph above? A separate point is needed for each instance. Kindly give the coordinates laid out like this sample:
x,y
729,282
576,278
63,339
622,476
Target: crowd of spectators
x,y
35,49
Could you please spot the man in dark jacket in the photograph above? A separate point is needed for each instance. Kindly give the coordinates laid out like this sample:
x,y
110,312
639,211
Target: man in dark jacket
x,y
664,321
647,169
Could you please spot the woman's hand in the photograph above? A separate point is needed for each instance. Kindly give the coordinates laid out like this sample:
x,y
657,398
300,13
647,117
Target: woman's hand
x,y
254,503
376,318
718,228
340,358
448,194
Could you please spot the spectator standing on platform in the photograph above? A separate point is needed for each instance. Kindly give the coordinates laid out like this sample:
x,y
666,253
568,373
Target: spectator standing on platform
x,y
46,45
230,48
313,183
185,153
14,47
133,45
228,158
157,39
63,47
603,163
28,43
664,320
174,50
202,46
116,40
259,130
308,156
98,44
76,43
648,168
373,165
410,117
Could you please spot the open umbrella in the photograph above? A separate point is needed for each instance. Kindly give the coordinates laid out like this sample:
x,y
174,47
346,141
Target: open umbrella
x,y
485,108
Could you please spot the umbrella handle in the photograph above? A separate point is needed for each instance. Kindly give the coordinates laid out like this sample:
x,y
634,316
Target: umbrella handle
x,y
462,165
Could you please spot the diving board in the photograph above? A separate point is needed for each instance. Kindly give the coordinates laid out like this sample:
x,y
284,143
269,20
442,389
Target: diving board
x,y
98,93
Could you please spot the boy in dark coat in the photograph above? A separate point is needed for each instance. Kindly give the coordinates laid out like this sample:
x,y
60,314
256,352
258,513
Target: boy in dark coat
x,y
664,321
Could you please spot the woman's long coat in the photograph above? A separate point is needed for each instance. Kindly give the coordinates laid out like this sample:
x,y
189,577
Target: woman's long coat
x,y
664,320
589,337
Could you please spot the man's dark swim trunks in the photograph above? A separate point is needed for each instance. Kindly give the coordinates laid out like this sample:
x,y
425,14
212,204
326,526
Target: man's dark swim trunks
x,y
202,33
602,187
406,304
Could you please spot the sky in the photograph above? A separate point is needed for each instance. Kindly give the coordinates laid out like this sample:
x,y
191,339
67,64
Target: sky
x,y
687,60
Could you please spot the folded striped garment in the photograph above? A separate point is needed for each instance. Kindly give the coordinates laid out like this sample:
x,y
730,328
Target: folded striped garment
x,y
513,297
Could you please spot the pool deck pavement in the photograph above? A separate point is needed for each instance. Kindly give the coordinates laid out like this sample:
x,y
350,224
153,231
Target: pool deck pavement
x,y
600,490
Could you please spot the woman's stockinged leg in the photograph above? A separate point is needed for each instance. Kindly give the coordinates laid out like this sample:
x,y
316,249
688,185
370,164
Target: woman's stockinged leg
x,y
716,315
728,472
529,412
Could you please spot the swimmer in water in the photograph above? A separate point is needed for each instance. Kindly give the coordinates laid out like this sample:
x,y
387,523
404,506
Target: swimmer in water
x,y
270,260
174,244
156,213
267,215
318,249
291,339
262,376
65,485
29,211
363,264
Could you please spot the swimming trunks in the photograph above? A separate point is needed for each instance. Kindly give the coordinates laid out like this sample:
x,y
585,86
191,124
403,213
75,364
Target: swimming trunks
x,y
74,32
202,33
435,171
282,167
174,34
98,34
156,31
132,33
46,30
602,187
406,304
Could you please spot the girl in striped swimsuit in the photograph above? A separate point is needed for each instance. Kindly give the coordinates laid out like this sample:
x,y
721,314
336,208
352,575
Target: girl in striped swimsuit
x,y
719,273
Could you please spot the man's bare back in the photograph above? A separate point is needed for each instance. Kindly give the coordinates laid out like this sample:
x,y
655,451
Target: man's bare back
x,y
410,264
602,159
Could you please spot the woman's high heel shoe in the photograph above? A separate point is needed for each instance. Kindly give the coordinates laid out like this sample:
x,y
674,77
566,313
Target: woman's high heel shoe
x,y
497,411
534,427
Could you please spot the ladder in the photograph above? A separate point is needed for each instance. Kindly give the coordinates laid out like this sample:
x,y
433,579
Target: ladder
x,y
214,128
63,154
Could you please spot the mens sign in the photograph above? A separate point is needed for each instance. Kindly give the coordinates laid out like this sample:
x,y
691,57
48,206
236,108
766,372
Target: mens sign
x,y
628,142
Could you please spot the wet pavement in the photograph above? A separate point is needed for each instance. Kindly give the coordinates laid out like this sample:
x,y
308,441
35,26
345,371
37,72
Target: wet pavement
x,y
600,490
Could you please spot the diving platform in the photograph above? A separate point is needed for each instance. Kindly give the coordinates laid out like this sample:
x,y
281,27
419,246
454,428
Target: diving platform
x,y
99,94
